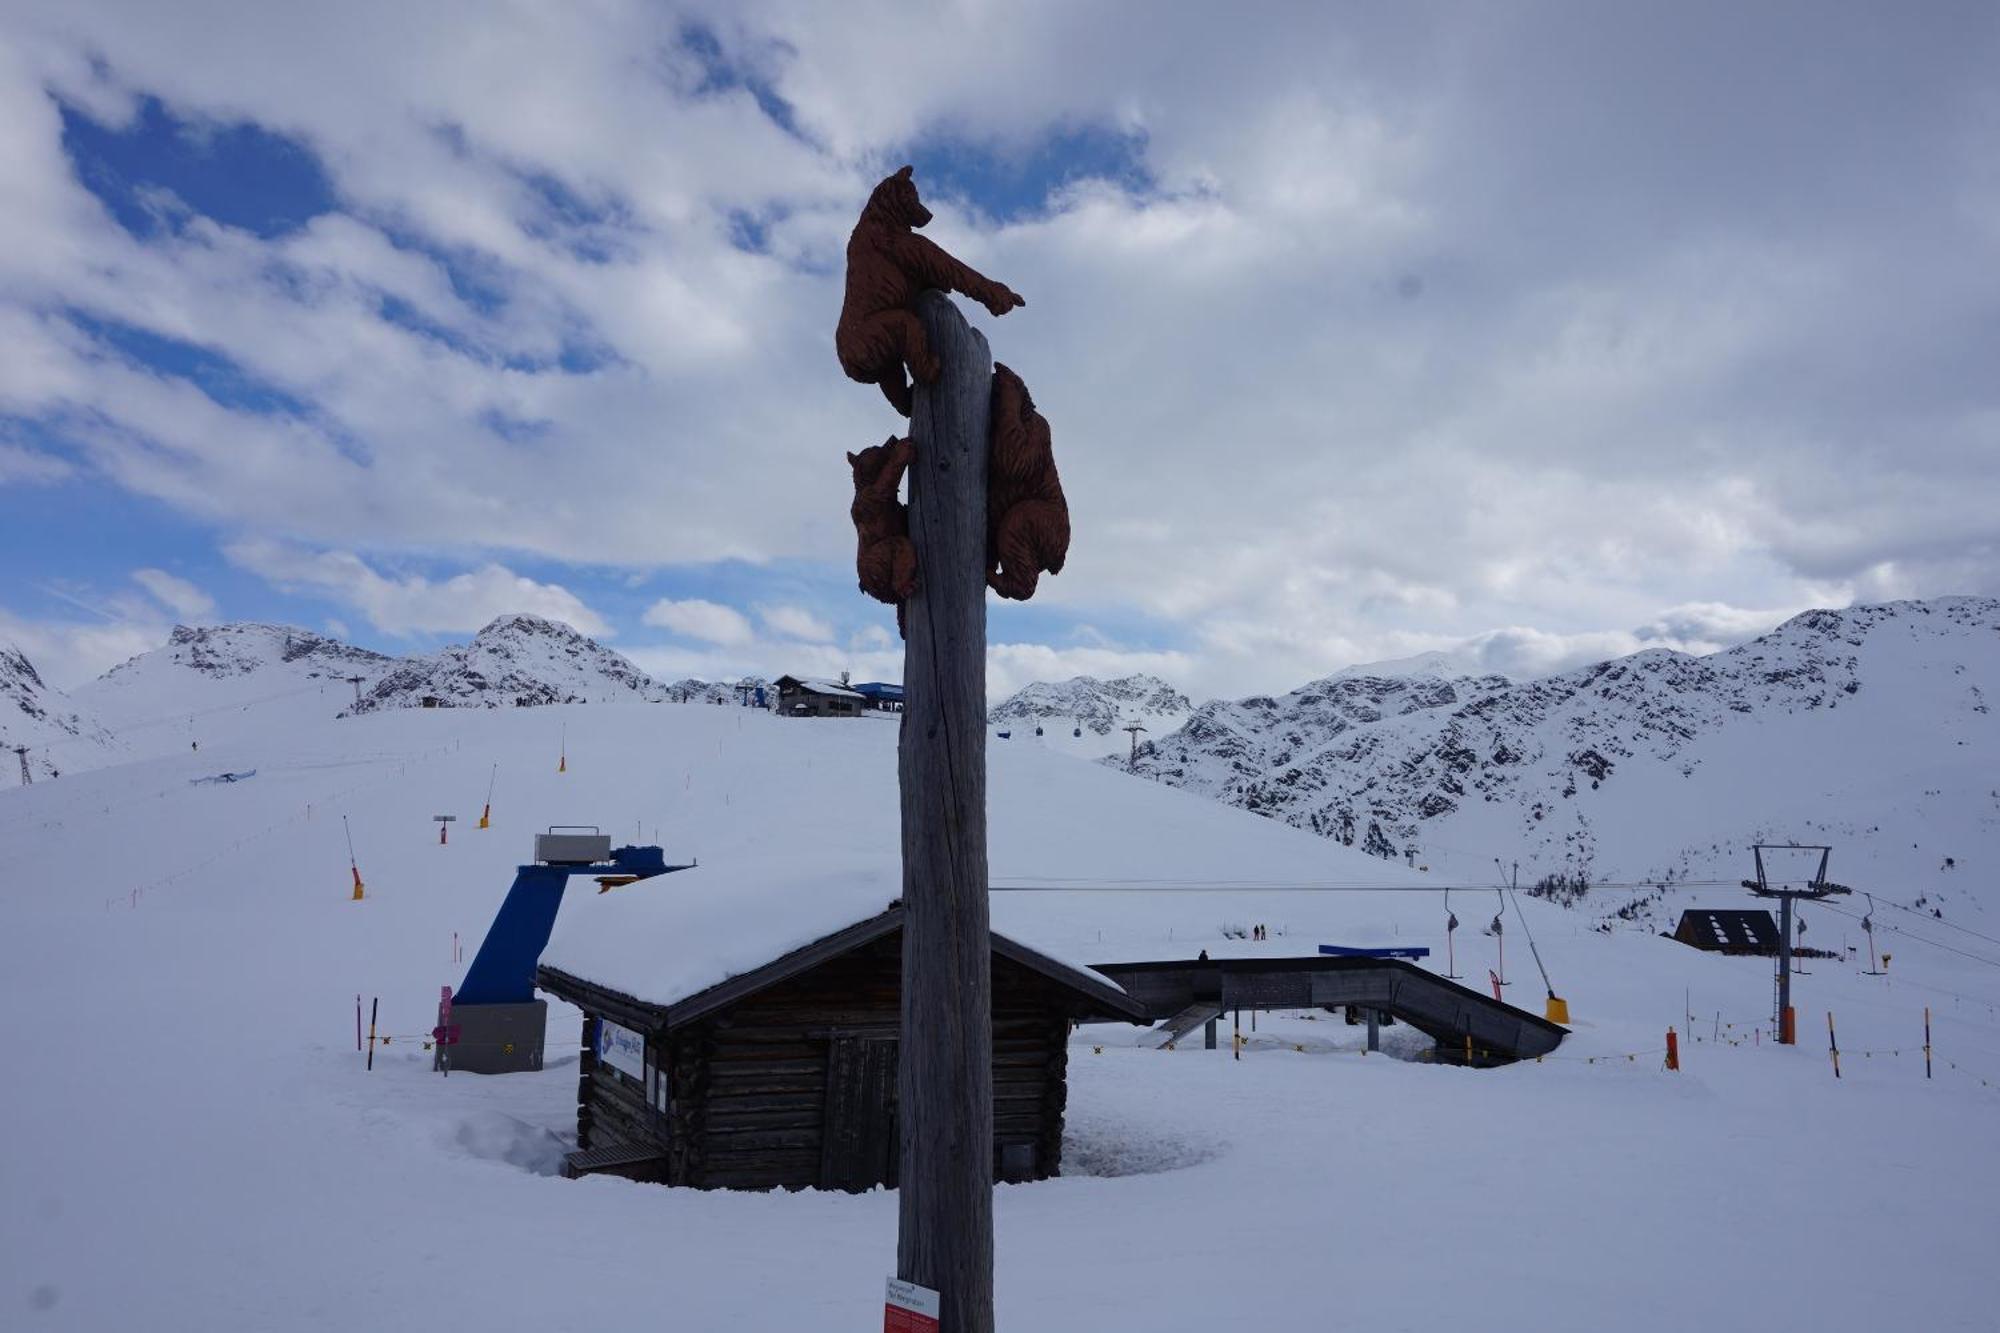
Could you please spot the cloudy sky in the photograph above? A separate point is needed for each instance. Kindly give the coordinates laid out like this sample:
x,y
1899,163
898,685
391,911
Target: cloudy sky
x,y
1536,331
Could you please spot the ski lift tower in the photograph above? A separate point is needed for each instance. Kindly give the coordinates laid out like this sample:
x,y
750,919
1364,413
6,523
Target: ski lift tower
x,y
1815,888
27,778
1134,728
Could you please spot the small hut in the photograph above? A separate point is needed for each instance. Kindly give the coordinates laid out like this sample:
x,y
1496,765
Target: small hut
x,y
799,697
785,1074
1729,930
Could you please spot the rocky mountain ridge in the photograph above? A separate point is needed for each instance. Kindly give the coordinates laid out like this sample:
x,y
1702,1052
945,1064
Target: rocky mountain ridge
x,y
1097,706
517,660
1599,770
56,732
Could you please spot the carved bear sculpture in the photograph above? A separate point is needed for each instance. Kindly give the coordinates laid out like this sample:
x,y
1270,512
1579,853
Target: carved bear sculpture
x,y
1027,518
884,559
888,265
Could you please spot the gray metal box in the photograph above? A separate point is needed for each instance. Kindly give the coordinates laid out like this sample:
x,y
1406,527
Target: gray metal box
x,y
567,849
498,1038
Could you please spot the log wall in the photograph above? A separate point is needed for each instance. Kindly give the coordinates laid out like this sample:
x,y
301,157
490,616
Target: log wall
x,y
752,1105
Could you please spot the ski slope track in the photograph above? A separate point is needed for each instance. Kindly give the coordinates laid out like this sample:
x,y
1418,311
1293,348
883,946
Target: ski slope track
x,y
189,1140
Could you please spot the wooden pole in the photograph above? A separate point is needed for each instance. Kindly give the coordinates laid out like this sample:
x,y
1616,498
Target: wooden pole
x,y
945,1074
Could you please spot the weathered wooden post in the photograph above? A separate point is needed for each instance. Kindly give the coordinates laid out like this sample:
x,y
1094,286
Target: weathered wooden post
x,y
945,1079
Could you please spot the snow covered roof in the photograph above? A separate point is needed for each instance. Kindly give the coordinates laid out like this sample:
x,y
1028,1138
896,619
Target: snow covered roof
x,y
1068,843
623,953
832,687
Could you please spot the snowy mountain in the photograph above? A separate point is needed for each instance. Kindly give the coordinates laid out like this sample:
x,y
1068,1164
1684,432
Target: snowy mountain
x,y
214,683
516,660
692,691
40,716
1865,728
1085,714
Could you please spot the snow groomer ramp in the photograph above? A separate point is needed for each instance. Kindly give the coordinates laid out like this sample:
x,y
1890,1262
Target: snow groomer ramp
x,y
1456,1017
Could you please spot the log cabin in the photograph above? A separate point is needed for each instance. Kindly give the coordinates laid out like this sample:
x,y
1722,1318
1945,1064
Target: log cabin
x,y
785,1074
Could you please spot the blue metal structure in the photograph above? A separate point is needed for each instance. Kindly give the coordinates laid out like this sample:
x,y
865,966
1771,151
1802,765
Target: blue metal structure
x,y
879,693
1412,952
503,971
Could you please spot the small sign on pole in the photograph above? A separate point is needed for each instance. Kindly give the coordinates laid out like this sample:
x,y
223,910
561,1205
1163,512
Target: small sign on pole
x,y
910,1308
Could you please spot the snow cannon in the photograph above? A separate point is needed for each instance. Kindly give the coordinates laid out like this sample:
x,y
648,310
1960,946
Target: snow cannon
x,y
501,1025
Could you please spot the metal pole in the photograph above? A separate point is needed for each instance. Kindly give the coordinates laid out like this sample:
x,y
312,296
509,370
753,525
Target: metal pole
x,y
1785,1034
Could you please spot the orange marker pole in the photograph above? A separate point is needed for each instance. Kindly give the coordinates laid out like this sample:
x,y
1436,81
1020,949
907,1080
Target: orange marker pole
x,y
1673,1050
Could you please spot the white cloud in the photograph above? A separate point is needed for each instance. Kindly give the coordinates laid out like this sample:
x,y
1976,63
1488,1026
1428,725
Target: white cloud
x,y
68,653
23,466
184,599
795,622
1398,340
413,603
698,619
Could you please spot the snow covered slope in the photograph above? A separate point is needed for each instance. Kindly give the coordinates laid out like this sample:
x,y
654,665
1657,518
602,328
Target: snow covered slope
x,y
36,714
1869,727
516,659
212,685
1084,715
184,963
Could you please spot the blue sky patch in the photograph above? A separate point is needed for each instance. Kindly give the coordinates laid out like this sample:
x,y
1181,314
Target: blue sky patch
x,y
722,73
213,373
1009,184
241,175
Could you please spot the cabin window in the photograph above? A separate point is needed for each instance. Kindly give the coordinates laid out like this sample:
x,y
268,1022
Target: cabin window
x,y
656,1084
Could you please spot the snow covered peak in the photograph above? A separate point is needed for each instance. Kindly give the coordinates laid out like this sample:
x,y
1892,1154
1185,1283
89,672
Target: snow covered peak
x,y
693,691
1616,767
1444,665
1090,704
217,683
246,648
515,660
36,714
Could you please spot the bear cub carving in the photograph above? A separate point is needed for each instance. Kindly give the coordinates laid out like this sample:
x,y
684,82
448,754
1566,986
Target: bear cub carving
x,y
888,266
884,559
1027,518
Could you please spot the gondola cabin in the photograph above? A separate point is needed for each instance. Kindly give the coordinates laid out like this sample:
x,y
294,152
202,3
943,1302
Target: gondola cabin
x,y
785,1074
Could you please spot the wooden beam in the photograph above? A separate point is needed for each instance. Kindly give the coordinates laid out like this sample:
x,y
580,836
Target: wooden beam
x,y
945,1075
